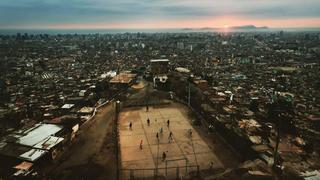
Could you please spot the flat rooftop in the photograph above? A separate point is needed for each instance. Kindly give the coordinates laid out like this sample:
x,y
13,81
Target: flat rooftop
x,y
159,60
184,147
123,78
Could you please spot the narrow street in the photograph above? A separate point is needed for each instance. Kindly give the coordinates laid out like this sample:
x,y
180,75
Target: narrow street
x,y
92,155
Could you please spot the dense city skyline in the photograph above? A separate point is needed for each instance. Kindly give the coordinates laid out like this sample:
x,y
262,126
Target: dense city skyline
x,y
60,14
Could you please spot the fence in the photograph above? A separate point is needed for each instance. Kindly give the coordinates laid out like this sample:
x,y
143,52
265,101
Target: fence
x,y
179,172
110,100
142,102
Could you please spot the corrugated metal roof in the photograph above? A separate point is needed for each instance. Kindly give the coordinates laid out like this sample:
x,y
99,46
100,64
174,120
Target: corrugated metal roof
x,y
67,106
37,134
159,60
33,154
311,175
49,142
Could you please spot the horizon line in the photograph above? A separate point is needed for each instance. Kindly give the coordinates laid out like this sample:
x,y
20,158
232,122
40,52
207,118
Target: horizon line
x,y
150,28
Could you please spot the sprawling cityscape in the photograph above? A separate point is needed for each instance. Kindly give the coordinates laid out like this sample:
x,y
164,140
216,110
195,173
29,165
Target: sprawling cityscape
x,y
195,90
210,105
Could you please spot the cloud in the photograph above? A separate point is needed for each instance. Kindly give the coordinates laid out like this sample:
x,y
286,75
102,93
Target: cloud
x,y
46,12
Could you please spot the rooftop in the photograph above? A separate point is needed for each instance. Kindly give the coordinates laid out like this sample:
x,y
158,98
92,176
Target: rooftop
x,y
123,78
159,60
36,134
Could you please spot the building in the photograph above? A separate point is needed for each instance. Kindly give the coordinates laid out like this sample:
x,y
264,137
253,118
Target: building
x,y
159,71
123,78
159,66
31,144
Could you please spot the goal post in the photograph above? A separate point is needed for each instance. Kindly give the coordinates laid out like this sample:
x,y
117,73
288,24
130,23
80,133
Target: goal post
x,y
185,160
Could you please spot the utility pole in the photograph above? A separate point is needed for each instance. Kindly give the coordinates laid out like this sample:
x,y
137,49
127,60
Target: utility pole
x,y
280,111
157,160
277,165
189,95
276,156
117,109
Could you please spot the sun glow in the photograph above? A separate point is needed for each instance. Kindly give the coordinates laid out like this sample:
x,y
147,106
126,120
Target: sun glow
x,y
224,22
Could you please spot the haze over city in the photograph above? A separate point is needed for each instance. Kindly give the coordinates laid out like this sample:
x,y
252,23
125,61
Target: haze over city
x,y
75,14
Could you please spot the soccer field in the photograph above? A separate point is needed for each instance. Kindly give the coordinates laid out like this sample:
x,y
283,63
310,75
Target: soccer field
x,y
183,150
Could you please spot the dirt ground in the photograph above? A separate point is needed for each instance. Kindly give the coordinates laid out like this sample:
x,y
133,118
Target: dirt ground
x,y
140,85
92,156
184,150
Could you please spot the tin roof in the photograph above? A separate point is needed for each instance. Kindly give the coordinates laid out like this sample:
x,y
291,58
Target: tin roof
x,y
33,154
48,143
67,106
36,134
31,144
159,60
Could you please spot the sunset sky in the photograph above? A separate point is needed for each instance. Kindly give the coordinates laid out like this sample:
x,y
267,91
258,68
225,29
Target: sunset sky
x,y
67,14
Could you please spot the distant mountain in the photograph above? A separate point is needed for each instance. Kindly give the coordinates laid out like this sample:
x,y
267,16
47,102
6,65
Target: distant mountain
x,y
208,28
187,29
202,29
248,27
232,28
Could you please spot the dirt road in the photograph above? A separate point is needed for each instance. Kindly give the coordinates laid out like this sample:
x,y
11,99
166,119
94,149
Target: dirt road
x,y
92,156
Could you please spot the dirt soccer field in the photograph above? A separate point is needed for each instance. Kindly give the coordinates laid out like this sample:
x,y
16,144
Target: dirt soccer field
x,y
184,149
